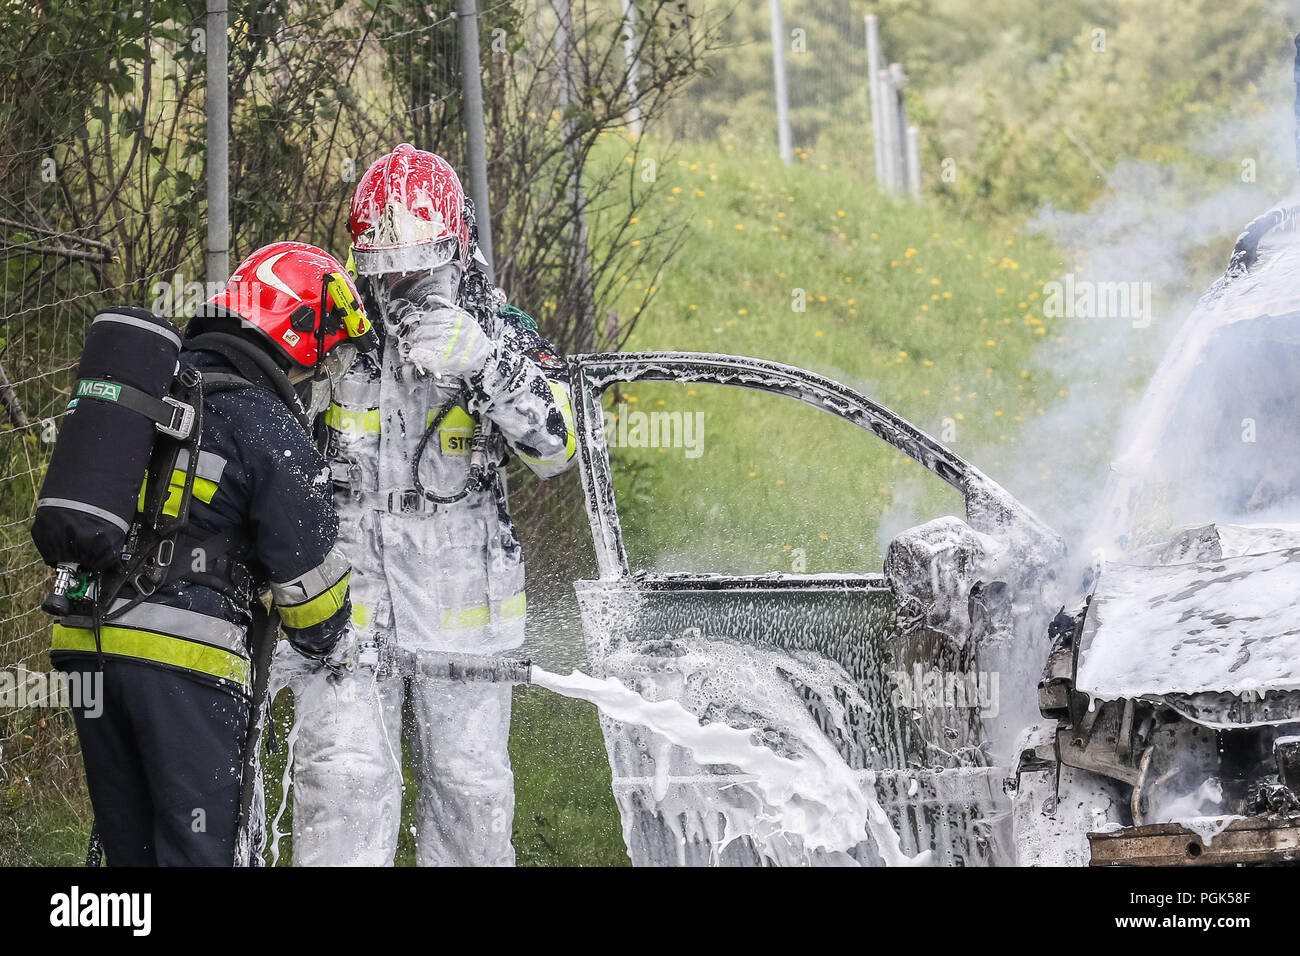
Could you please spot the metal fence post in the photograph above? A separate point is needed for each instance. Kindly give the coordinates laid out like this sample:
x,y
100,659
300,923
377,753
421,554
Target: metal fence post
x,y
873,85
467,22
888,131
217,94
914,163
898,80
784,141
585,295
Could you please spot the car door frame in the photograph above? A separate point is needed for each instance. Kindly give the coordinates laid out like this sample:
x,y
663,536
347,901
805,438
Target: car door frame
x,y
989,507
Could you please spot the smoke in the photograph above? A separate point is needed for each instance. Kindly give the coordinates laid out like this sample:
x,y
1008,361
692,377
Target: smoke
x,y
1137,263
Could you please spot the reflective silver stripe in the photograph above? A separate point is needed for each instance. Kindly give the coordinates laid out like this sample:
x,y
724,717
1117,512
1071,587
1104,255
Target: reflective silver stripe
x,y
182,623
71,505
312,583
165,332
210,467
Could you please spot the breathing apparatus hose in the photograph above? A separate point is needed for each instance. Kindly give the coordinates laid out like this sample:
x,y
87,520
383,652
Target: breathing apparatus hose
x,y
438,419
479,469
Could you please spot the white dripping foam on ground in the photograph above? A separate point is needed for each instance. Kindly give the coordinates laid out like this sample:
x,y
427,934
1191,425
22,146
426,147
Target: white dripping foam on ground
x,y
277,834
819,799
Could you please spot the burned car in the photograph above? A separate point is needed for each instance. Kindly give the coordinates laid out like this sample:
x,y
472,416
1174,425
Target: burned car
x,y
1157,721
1176,688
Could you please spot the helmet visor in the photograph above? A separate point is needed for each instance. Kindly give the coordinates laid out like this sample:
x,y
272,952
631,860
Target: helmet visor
x,y
408,257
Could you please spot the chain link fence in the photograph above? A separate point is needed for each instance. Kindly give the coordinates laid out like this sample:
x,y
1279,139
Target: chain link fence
x,y
103,201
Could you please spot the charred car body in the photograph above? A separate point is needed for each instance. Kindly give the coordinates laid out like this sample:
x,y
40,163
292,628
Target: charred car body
x,y
1175,687
1166,727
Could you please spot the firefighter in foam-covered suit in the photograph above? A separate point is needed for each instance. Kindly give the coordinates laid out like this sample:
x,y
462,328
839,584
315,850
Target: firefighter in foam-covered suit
x,y
417,437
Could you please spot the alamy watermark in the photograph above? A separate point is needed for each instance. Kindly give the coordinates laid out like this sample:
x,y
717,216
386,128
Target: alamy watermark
x,y
629,428
177,299
929,688
1085,299
75,908
22,689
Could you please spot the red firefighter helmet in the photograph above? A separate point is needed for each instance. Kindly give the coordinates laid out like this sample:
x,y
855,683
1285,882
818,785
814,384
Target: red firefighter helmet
x,y
408,214
299,297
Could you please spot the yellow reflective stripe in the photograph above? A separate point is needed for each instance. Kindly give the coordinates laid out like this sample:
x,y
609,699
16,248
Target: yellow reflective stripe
x,y
359,614
159,648
513,607
570,440
320,608
566,410
455,431
313,581
466,617
480,615
358,423
460,322
457,418
204,490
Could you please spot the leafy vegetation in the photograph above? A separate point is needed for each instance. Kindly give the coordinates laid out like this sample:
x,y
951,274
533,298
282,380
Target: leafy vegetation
x,y
935,310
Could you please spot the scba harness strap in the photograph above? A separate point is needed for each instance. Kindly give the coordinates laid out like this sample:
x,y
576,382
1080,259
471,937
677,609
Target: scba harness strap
x,y
173,417
150,560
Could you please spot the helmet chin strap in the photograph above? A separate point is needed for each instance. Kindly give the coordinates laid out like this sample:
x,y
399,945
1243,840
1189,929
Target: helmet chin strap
x,y
325,377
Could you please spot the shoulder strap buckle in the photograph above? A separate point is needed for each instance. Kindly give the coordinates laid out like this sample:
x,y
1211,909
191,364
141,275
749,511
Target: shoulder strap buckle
x,y
181,424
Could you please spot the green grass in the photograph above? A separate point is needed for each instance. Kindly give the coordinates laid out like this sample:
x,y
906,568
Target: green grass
x,y
808,265
564,813
53,830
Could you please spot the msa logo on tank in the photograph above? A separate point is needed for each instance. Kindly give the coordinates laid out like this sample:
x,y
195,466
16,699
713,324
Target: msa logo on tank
x,y
96,388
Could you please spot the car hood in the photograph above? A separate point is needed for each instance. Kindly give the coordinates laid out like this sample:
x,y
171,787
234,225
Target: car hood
x,y
1217,618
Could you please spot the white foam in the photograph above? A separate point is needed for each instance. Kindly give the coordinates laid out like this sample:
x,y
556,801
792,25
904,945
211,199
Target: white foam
x,y
816,798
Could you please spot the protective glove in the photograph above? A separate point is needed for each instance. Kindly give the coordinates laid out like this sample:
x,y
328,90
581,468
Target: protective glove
x,y
339,660
449,343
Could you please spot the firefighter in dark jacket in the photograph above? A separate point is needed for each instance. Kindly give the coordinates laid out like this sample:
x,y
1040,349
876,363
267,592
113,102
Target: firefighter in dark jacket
x,y
164,759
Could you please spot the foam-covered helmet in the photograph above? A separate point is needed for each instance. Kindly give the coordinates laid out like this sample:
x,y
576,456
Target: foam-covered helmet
x,y
408,215
300,298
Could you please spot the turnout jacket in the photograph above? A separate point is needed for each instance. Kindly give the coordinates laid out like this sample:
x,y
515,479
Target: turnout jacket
x,y
443,576
262,495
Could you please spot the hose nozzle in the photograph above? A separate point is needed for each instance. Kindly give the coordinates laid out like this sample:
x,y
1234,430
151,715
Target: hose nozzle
x,y
464,667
